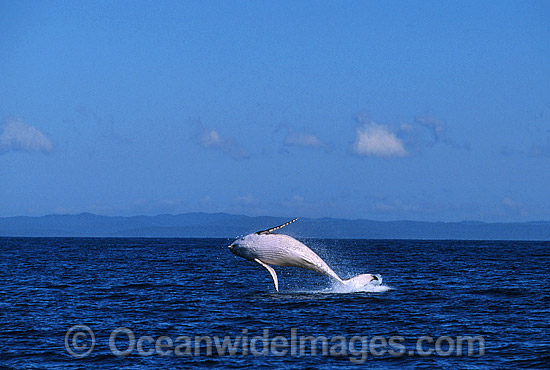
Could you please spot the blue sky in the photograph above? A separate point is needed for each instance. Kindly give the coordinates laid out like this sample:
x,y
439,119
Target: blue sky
x,y
435,111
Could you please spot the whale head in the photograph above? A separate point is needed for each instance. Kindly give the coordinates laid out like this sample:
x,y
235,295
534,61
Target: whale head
x,y
246,246
243,247
267,248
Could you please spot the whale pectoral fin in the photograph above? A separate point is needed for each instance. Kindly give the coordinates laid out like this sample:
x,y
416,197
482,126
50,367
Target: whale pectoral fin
x,y
270,230
271,271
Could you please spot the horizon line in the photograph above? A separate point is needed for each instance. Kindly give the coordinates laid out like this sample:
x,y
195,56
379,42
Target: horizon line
x,y
271,216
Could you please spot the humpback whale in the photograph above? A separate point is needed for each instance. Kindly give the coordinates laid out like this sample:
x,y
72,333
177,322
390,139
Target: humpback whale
x,y
268,248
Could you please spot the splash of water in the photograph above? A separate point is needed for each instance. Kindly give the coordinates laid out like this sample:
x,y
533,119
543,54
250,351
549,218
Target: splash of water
x,y
353,286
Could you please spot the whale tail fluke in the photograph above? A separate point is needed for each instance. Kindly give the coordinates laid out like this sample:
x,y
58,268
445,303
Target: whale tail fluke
x,y
363,279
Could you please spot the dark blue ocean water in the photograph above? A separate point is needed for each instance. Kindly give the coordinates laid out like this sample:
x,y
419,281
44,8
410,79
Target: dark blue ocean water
x,y
176,288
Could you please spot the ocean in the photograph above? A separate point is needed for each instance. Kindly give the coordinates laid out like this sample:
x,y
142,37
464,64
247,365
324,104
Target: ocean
x,y
143,303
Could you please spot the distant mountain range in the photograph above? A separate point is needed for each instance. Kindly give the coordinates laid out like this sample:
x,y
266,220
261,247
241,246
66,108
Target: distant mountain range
x,y
222,225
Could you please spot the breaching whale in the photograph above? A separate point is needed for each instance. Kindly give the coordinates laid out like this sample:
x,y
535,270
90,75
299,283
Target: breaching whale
x,y
267,248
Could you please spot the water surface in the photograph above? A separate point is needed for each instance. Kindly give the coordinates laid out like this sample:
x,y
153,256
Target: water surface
x,y
196,287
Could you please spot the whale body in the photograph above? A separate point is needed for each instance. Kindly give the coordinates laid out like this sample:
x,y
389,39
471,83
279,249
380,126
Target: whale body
x,y
267,248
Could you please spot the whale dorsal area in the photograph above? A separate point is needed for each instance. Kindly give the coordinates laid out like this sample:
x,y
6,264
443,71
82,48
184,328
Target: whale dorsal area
x,y
271,271
269,231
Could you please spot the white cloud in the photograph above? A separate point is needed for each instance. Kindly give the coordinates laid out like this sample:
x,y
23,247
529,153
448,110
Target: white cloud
x,y
210,138
18,136
377,140
306,140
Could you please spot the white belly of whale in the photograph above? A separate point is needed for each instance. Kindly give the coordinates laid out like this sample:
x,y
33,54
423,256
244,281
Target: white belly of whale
x,y
282,250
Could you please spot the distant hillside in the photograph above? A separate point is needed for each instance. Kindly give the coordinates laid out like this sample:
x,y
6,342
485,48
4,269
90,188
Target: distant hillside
x,y
223,225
